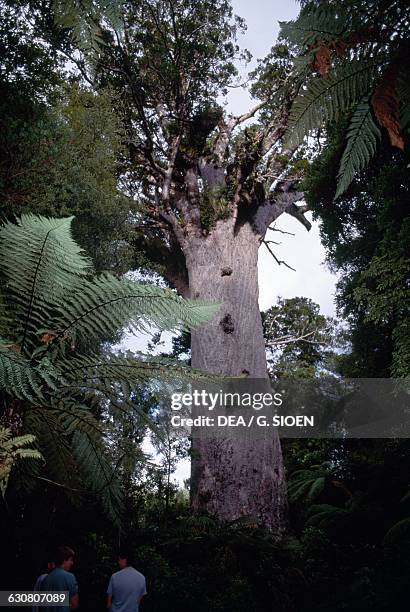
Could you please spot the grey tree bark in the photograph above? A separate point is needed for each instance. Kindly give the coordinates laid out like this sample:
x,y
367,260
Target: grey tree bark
x,y
241,474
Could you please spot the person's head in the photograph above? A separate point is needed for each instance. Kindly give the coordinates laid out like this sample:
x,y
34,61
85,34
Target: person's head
x,y
64,557
125,558
50,565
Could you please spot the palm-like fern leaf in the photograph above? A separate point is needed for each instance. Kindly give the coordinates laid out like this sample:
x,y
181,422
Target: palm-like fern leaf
x,y
325,515
41,264
48,295
315,24
328,96
90,371
11,450
98,473
362,139
307,483
20,379
107,304
56,448
398,533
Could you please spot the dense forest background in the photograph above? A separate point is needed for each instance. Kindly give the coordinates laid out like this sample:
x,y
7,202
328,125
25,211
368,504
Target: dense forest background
x,y
67,148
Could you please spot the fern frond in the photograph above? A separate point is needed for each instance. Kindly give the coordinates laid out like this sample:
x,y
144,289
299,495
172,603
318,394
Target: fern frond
x,y
324,515
322,23
20,379
328,96
41,264
362,139
55,446
107,304
98,473
11,450
74,418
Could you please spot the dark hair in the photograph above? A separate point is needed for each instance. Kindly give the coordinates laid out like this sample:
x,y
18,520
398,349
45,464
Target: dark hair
x,y
125,553
62,554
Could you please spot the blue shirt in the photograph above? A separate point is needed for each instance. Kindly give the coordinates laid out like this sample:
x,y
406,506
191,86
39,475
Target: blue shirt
x,y
59,580
126,588
37,587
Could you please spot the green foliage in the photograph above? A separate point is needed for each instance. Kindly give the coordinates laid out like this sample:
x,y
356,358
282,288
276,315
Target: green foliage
x,y
157,50
325,23
82,19
362,139
328,97
11,450
53,313
398,532
65,160
365,235
307,483
214,205
346,62
300,341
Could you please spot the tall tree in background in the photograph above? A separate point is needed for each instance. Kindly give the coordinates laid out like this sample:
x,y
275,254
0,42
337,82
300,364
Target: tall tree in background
x,y
300,342
210,191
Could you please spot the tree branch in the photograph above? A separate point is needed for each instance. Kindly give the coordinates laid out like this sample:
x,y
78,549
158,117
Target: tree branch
x,y
241,118
278,261
298,213
289,339
283,200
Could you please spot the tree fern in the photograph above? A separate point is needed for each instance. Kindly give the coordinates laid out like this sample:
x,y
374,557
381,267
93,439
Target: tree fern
x,y
108,304
11,450
50,303
53,298
55,444
398,533
308,483
362,139
41,264
98,472
350,49
325,515
321,23
23,380
326,98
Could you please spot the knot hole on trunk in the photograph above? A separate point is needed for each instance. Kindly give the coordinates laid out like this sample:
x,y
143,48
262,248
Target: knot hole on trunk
x,y
226,271
227,324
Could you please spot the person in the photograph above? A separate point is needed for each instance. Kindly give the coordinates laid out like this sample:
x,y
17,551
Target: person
x,y
39,582
61,579
126,587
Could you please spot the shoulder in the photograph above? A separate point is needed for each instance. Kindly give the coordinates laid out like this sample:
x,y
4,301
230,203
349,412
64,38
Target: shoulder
x,y
119,573
40,581
140,575
114,577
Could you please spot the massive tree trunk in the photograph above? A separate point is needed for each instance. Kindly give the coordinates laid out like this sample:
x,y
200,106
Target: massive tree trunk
x,y
241,474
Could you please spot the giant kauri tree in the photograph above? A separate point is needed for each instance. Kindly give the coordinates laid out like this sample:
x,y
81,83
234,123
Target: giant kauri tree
x,y
210,185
